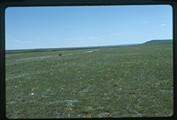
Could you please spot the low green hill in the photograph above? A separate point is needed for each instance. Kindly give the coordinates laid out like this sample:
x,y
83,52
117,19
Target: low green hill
x,y
159,41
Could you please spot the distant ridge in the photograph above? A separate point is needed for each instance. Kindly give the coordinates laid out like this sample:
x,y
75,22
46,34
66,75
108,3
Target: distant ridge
x,y
165,41
57,49
159,41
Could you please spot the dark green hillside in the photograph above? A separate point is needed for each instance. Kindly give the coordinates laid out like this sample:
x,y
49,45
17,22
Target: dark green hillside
x,y
167,41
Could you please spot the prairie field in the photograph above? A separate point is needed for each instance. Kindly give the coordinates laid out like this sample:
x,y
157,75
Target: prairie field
x,y
125,81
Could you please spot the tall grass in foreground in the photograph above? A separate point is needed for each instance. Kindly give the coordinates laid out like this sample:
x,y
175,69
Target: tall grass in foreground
x,y
132,81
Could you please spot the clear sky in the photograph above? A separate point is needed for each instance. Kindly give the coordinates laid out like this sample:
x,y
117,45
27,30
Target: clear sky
x,y
80,26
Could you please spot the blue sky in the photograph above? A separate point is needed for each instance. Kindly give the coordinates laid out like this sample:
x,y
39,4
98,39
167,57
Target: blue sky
x,y
80,26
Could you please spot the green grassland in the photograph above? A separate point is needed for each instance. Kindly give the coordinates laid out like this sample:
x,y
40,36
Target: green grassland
x,y
128,81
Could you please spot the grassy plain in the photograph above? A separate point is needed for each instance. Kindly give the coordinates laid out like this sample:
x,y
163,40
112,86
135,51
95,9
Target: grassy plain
x,y
129,81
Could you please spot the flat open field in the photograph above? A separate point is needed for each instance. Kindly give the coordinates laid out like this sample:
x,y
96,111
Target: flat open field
x,y
129,81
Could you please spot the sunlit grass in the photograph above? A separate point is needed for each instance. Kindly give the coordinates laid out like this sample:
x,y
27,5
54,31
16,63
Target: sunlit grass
x,y
132,81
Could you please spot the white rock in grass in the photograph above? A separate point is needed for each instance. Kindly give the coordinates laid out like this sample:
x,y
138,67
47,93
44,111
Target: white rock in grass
x,y
15,86
32,94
